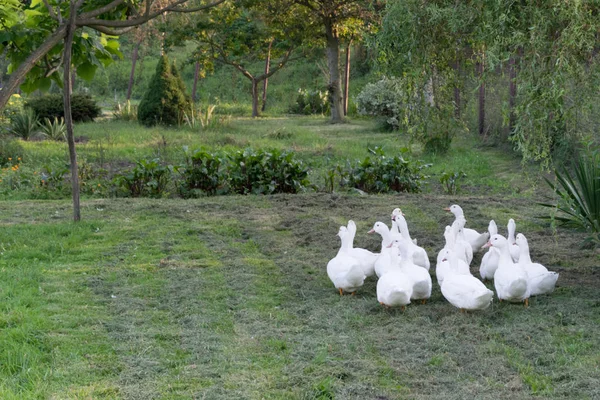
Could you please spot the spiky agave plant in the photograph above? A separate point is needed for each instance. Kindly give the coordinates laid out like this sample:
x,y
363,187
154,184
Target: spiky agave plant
x,y
24,124
579,195
55,130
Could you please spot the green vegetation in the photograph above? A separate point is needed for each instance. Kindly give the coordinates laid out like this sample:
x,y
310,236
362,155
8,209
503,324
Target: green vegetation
x,y
83,107
164,102
228,298
24,125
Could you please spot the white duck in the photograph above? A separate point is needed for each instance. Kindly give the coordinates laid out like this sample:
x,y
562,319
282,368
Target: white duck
x,y
474,238
384,261
345,271
461,246
489,262
463,291
510,280
396,232
421,280
443,267
419,255
394,289
541,280
365,258
512,241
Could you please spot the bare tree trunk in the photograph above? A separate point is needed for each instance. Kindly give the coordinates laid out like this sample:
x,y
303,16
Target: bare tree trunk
x,y
333,63
481,117
255,112
67,105
196,74
266,82
347,77
512,94
457,91
134,58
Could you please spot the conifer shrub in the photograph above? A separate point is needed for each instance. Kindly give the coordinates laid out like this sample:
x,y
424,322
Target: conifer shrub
x,y
165,100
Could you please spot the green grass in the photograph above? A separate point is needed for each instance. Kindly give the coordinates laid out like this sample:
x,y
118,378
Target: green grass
x,y
115,145
228,297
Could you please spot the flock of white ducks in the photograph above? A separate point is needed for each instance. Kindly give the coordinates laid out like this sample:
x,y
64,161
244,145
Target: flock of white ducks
x,y
402,267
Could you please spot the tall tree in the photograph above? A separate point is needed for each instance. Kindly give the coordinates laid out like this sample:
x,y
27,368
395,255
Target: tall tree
x,y
334,15
33,45
238,35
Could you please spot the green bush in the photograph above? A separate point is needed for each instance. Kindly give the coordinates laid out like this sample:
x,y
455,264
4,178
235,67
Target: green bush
x,y
13,107
164,102
146,179
201,174
381,174
383,98
24,125
311,102
266,172
83,107
579,195
449,181
11,152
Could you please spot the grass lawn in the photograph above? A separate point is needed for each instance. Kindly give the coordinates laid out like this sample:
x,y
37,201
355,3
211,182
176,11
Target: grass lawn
x,y
228,297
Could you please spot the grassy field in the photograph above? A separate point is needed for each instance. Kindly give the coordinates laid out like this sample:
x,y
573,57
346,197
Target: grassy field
x,y
228,297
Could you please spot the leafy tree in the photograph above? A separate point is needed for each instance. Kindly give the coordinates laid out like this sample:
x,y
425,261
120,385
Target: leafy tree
x,y
334,16
33,39
165,100
238,34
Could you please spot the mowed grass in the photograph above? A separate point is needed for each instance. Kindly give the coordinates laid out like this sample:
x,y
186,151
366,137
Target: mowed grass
x,y
228,298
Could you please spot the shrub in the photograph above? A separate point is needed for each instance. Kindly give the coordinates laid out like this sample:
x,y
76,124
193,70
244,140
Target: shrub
x,y
311,102
579,195
164,102
55,130
147,178
12,108
383,98
11,152
381,174
53,178
125,112
449,181
83,107
201,174
24,125
266,172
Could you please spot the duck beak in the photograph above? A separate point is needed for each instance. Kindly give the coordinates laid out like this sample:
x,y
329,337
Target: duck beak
x,y
444,259
485,246
371,231
390,245
447,209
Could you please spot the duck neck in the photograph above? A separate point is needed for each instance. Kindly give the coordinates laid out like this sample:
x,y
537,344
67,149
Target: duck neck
x,y
524,255
346,243
505,258
403,228
386,238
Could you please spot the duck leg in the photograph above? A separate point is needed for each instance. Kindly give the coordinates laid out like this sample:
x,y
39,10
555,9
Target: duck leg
x,y
353,293
403,308
526,302
423,301
341,292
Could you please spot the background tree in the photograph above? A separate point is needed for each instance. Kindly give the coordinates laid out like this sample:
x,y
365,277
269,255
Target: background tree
x,y
333,16
239,34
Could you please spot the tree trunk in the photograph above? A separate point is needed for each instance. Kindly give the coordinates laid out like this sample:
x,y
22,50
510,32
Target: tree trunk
x,y
255,112
196,74
347,77
512,94
68,116
457,91
266,82
134,58
481,118
18,75
333,63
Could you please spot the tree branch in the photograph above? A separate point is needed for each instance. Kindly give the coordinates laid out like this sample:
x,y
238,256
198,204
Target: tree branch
x,y
141,20
280,65
111,32
101,10
50,10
